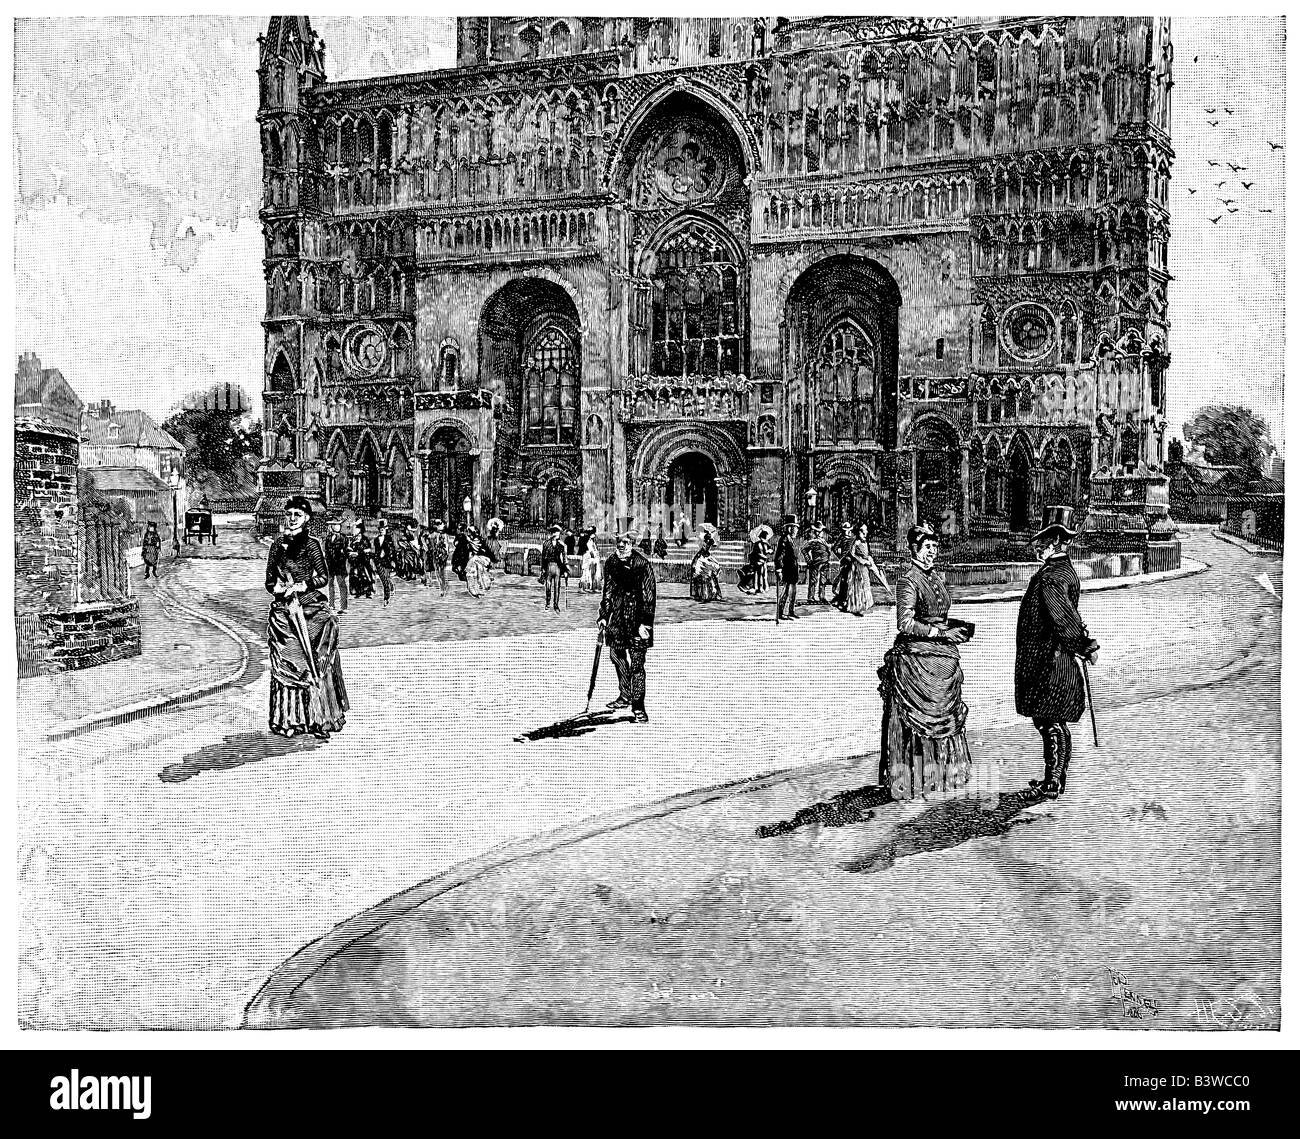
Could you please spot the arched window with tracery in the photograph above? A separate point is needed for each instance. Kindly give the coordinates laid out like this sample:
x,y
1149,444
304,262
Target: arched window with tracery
x,y
697,317
551,373
845,378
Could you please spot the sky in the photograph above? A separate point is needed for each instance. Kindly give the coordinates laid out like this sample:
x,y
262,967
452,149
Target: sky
x,y
137,176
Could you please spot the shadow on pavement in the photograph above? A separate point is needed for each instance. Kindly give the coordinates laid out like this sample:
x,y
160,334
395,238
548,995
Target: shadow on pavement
x,y
945,825
578,725
235,751
845,809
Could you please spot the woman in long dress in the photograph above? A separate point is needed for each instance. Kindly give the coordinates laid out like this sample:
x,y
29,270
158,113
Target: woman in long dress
x,y
706,571
859,597
590,581
307,690
923,750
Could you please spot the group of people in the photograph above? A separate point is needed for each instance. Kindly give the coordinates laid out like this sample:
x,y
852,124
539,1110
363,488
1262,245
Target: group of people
x,y
359,562
924,751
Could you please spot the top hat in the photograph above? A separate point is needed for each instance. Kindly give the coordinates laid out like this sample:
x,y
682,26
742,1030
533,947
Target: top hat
x,y
789,520
1057,519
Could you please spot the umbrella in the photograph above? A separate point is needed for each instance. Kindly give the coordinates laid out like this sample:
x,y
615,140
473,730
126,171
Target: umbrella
x,y
595,668
710,529
494,527
298,622
761,533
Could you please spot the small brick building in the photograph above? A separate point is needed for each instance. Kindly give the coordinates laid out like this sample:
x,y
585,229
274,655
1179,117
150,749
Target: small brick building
x,y
72,597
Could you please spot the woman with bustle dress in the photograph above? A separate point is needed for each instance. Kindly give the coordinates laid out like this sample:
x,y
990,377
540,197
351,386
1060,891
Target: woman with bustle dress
x,y
307,690
923,749
706,570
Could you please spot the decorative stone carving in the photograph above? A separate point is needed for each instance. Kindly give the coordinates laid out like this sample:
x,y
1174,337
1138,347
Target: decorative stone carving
x,y
365,350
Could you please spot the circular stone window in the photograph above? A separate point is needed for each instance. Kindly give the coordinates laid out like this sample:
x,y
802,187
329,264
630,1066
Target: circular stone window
x,y
365,349
1028,331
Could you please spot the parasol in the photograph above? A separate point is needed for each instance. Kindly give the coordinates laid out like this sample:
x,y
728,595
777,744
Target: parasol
x,y
710,529
298,622
494,527
761,533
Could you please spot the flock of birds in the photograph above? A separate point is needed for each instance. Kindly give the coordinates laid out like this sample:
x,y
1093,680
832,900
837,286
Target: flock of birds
x,y
1230,205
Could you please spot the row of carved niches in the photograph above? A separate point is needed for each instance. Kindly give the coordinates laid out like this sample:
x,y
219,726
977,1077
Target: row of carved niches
x,y
1072,179
1107,236
867,206
293,287
367,404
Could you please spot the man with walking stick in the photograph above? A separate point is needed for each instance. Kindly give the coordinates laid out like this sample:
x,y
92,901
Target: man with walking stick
x,y
627,621
1053,650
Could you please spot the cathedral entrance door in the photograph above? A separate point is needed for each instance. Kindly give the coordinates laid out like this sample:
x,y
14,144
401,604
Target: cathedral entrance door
x,y
692,491
1019,489
450,478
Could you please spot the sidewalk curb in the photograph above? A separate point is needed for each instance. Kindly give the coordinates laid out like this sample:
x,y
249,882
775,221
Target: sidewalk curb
x,y
1242,544
157,703
265,1008
1098,584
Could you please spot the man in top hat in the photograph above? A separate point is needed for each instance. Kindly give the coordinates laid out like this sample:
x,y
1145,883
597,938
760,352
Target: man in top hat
x,y
786,558
337,551
385,555
817,553
555,565
1051,639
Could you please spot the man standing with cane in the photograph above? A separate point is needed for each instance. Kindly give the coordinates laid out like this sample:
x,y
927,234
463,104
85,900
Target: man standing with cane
x,y
627,622
1053,649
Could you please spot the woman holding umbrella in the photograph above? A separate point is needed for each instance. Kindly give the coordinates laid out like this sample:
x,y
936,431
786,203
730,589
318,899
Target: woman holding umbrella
x,y
859,598
307,691
760,553
706,571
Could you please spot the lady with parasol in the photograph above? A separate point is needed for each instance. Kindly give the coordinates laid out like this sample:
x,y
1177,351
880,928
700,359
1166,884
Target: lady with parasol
x,y
307,690
753,578
706,570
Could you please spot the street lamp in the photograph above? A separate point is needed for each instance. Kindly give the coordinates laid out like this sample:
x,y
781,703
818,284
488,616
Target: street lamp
x,y
468,507
174,479
811,499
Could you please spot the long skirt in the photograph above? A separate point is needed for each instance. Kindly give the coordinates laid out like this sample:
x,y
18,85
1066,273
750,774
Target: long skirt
x,y
706,584
923,748
858,599
298,703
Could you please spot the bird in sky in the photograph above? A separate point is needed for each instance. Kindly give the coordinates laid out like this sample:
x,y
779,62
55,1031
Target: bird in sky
x,y
1235,168
1247,185
1233,209
1190,190
1195,58
1265,211
1274,145
1211,110
1216,221
1228,201
1213,122
1228,109
1220,185
1213,163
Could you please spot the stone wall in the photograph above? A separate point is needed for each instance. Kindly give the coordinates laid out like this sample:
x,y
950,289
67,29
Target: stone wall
x,y
93,634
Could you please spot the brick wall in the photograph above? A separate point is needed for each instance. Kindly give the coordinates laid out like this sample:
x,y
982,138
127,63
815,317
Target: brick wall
x,y
93,634
55,632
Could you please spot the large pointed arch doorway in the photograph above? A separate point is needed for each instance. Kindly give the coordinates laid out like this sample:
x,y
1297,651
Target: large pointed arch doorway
x,y
449,477
1020,486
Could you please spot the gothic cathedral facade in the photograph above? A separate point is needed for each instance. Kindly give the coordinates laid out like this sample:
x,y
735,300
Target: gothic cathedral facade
x,y
623,271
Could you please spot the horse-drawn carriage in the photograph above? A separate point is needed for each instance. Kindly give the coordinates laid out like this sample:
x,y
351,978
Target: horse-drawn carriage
x,y
199,523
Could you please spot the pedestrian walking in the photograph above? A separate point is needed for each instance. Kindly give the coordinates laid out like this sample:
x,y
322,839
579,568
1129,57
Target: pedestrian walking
x,y
844,556
591,579
438,552
1052,643
786,557
384,558
302,632
337,549
150,547
859,598
706,570
627,620
817,555
923,749
661,544
570,543
555,567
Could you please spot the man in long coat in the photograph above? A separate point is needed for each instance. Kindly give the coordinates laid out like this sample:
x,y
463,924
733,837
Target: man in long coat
x,y
1051,640
786,558
627,619
555,566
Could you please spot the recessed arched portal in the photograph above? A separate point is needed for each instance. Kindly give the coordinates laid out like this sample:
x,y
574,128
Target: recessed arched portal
x,y
449,475
1020,486
691,490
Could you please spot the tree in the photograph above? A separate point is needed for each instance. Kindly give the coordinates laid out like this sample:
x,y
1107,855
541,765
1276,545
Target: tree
x,y
221,449
1232,437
